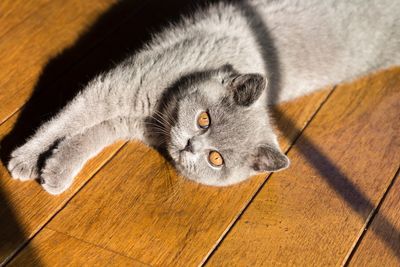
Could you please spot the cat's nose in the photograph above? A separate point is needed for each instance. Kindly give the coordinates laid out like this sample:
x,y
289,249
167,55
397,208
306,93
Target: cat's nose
x,y
189,146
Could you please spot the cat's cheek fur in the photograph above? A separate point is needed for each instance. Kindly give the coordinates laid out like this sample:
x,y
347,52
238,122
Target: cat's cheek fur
x,y
235,177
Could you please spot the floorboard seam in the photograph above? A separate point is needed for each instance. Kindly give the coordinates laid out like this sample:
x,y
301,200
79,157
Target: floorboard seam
x,y
97,245
369,221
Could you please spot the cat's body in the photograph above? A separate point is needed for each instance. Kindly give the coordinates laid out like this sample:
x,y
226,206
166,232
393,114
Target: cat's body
x,y
195,66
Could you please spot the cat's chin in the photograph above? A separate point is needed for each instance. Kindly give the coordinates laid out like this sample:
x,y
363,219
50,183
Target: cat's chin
x,y
213,181
177,160
216,182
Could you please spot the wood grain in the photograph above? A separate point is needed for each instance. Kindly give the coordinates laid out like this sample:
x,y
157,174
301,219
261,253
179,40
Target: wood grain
x,y
380,246
57,249
30,45
312,213
31,206
13,12
138,206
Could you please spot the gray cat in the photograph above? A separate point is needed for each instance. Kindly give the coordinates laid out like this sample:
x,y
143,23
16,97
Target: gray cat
x,y
199,90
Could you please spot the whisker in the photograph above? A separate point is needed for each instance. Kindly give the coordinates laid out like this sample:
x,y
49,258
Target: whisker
x,y
161,122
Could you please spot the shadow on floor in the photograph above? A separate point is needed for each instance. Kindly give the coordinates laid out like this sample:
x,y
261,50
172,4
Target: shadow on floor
x,y
11,232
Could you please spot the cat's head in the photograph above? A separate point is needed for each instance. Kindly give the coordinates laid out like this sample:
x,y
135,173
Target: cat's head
x,y
217,130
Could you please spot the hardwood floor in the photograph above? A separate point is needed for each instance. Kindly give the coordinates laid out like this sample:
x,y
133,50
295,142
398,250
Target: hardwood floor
x,y
338,203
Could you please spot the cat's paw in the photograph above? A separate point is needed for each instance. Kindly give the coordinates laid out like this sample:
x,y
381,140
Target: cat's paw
x,y
23,165
56,176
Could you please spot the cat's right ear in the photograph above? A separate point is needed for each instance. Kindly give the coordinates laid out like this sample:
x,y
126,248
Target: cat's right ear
x,y
269,158
247,88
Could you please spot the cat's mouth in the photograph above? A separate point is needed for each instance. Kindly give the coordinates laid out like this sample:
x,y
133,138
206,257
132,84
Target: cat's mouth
x,y
174,152
179,155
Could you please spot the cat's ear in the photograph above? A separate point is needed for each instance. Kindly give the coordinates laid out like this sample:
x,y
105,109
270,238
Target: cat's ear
x,y
269,158
247,88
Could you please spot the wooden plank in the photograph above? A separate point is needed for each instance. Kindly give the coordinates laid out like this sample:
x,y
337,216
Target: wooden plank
x,y
56,249
380,245
13,12
30,46
312,213
138,206
26,207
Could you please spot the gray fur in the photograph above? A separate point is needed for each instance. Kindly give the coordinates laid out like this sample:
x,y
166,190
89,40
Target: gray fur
x,y
213,61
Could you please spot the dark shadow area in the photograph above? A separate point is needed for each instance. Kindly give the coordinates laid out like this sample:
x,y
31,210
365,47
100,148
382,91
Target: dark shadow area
x,y
11,232
120,31
334,177
381,226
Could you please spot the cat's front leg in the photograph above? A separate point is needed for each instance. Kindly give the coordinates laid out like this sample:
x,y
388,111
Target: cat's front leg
x,y
87,109
24,161
72,153
23,164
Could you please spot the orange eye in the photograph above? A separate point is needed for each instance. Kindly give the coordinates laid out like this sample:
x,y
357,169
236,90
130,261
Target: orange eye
x,y
215,159
203,120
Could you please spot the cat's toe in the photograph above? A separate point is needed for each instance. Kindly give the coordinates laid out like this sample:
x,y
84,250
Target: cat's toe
x,y
54,188
55,178
23,168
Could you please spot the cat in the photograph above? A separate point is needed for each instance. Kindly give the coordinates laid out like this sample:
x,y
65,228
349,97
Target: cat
x,y
200,89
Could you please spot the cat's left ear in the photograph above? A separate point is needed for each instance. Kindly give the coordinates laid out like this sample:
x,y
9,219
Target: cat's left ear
x,y
247,88
269,158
